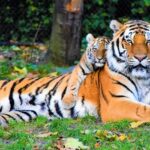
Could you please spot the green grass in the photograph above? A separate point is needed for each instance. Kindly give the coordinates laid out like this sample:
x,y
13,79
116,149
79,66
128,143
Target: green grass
x,y
22,135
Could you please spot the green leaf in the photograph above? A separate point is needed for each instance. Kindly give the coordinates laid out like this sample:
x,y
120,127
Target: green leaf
x,y
147,2
100,2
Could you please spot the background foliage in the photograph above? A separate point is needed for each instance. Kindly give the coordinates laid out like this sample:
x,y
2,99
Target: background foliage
x,y
21,20
31,21
99,13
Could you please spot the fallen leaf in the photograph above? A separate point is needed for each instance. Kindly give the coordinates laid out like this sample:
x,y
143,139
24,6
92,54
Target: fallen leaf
x,y
54,74
122,137
43,135
104,134
21,71
97,145
99,133
111,136
35,147
136,124
15,48
59,145
74,143
86,131
42,47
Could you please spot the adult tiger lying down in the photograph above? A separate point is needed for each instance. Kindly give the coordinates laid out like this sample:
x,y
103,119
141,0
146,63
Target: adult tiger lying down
x,y
119,91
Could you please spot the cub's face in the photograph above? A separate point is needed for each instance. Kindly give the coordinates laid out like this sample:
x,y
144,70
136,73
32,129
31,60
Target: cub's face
x,y
96,50
130,49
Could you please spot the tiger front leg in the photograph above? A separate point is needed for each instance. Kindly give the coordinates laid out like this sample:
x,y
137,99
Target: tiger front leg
x,y
70,96
68,101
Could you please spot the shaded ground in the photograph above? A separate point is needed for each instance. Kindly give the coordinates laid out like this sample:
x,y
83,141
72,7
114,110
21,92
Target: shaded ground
x,y
21,61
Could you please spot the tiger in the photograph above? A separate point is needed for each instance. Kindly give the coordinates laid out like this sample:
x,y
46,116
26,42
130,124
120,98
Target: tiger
x,y
92,59
118,91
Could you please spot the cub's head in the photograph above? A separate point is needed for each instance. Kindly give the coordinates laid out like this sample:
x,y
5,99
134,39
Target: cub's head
x,y
129,50
96,49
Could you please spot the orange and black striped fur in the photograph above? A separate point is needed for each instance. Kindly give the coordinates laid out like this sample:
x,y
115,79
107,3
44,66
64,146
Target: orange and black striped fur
x,y
121,90
92,59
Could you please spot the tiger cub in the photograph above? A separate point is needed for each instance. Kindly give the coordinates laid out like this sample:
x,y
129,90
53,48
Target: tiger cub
x,y
92,59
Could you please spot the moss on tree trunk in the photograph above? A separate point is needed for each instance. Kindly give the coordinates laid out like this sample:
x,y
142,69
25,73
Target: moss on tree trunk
x,y
65,37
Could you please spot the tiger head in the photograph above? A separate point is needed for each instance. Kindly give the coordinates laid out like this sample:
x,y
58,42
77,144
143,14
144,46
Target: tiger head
x,y
96,49
129,50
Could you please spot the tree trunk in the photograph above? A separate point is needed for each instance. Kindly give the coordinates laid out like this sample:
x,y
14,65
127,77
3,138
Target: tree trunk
x,y
66,32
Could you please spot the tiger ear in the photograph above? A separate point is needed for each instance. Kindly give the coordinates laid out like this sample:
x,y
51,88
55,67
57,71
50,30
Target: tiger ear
x,y
89,38
115,25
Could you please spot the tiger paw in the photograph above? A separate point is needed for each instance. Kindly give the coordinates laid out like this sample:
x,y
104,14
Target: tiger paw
x,y
68,101
3,123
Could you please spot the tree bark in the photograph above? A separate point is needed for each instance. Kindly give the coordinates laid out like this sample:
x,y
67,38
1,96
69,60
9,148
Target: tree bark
x,y
66,32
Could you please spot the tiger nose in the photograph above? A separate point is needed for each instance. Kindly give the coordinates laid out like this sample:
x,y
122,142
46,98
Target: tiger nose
x,y
140,57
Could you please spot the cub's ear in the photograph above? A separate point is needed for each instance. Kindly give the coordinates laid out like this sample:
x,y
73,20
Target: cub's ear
x,y
89,38
115,25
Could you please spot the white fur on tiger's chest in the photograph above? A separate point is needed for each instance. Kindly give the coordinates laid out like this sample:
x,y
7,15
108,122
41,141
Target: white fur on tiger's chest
x,y
144,91
145,96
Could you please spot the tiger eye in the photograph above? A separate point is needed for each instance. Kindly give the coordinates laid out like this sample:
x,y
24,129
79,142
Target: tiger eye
x,y
127,36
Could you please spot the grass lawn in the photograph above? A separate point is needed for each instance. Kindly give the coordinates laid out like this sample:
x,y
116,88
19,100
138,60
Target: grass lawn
x,y
41,134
